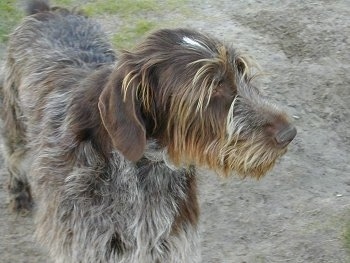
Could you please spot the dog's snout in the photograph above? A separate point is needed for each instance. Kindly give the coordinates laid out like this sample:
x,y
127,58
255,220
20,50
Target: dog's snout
x,y
284,135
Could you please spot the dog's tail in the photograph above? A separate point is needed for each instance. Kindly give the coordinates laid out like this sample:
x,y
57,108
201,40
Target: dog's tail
x,y
37,6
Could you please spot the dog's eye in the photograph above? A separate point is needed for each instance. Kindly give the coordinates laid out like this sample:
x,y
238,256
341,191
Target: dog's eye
x,y
241,66
220,84
218,87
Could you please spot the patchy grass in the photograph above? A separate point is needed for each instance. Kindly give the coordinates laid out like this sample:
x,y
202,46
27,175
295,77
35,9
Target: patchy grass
x,y
129,35
346,237
138,16
10,15
62,3
124,8
127,8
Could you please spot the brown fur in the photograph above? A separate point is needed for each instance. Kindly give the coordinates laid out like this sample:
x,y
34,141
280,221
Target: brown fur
x,y
109,147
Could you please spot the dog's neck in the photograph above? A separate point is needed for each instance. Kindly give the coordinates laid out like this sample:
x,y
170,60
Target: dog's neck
x,y
157,155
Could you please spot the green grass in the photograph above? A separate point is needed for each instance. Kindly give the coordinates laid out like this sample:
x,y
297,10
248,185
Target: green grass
x,y
124,8
346,237
137,16
129,35
127,8
64,3
10,15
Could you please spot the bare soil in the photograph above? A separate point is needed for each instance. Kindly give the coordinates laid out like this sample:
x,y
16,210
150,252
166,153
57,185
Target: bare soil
x,y
299,211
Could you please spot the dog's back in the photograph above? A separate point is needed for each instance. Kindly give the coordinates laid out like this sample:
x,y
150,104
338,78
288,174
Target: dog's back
x,y
57,33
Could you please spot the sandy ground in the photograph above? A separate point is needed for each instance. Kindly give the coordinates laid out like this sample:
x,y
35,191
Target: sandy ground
x,y
299,211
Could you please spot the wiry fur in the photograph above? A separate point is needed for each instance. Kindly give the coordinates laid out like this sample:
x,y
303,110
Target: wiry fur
x,y
110,145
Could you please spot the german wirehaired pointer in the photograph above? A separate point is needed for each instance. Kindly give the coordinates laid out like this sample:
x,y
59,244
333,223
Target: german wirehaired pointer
x,y
108,145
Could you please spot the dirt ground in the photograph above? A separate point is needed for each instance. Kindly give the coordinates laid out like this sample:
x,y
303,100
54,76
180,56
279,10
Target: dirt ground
x,y
299,211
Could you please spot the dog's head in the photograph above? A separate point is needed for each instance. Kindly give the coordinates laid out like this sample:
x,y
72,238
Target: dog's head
x,y
194,95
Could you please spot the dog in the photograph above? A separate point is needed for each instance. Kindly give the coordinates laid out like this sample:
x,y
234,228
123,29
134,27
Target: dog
x,y
108,144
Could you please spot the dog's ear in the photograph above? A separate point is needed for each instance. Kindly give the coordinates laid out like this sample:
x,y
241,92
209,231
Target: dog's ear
x,y
121,116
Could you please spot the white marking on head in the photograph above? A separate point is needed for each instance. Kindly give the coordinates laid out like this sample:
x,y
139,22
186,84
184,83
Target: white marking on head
x,y
191,42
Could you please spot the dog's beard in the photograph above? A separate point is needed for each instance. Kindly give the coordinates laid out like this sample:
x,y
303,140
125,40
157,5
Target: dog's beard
x,y
249,158
252,157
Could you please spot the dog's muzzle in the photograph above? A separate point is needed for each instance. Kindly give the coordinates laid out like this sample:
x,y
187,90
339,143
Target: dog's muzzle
x,y
284,135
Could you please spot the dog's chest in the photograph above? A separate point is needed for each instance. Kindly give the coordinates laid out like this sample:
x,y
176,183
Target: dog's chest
x,y
151,196
160,192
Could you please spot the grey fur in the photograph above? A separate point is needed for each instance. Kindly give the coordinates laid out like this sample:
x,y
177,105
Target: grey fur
x,y
114,215
92,203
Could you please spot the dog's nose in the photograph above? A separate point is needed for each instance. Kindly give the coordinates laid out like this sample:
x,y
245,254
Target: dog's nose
x,y
285,135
